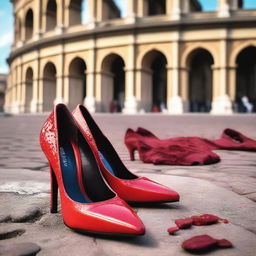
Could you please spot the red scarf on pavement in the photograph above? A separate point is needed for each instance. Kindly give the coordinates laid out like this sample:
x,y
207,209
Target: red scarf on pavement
x,y
184,150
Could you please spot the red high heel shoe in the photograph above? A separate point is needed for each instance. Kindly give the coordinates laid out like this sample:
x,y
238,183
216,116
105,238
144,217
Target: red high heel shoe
x,y
126,184
133,142
234,140
87,202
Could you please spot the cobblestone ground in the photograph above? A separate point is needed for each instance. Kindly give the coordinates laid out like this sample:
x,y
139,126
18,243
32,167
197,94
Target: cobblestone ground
x,y
227,189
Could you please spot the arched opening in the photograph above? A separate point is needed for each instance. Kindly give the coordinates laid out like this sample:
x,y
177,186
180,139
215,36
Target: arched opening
x,y
200,81
200,5
75,12
246,80
246,4
28,89
154,82
51,15
156,7
110,10
113,83
29,25
77,82
49,86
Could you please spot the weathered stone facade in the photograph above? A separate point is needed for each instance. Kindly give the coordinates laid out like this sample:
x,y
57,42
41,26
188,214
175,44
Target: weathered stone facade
x,y
166,54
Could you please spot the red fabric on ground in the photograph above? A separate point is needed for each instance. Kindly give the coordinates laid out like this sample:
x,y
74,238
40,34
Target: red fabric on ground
x,y
184,150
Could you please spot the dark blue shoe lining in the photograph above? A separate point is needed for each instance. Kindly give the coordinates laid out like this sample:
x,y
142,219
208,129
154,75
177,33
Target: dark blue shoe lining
x,y
107,164
69,174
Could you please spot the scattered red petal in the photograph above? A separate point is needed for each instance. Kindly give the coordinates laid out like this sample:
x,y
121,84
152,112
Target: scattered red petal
x,y
224,243
204,243
172,230
199,243
223,220
184,223
205,219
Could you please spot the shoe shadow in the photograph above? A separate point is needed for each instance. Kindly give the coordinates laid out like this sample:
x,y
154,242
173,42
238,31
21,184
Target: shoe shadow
x,y
176,206
146,240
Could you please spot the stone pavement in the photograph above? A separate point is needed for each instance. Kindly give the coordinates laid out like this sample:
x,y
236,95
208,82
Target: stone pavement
x,y
226,189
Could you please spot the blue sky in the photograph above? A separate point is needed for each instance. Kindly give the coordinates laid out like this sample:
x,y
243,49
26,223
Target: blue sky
x,y
6,33
6,24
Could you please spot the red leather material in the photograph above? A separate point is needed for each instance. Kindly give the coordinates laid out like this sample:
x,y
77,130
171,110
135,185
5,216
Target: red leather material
x,y
112,216
139,189
183,150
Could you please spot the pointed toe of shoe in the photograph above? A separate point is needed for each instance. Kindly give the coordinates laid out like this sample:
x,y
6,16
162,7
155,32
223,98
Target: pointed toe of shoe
x,y
159,193
146,190
112,217
119,218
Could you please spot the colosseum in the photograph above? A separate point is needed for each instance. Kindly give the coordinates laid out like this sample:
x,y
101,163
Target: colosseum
x,y
165,55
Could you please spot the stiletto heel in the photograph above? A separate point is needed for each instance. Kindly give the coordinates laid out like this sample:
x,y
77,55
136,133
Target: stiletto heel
x,y
54,192
89,206
131,153
127,185
130,143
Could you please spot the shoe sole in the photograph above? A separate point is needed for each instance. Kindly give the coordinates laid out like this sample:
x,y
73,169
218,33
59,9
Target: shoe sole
x,y
103,234
152,202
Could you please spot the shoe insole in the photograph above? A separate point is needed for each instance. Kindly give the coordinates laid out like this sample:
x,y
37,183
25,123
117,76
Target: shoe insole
x,y
106,163
95,186
69,173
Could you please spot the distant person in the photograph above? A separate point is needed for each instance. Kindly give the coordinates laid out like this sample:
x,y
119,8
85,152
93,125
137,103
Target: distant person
x,y
161,107
247,105
118,107
155,109
112,106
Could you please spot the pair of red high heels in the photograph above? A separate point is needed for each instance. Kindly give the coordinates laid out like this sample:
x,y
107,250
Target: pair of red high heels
x,y
93,182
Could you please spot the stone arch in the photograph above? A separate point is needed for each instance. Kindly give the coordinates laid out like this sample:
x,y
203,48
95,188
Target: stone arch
x,y
49,86
51,15
237,50
28,88
77,82
200,80
112,83
187,54
163,50
29,23
153,81
246,80
75,12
